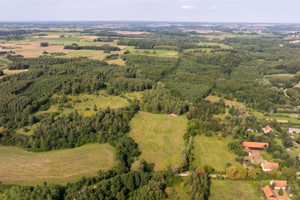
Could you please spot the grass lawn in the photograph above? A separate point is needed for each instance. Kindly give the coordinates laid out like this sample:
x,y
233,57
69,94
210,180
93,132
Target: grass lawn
x,y
19,166
160,138
212,151
234,190
295,152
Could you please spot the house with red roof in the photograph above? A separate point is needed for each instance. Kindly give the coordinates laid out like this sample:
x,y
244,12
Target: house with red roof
x,y
267,129
298,156
249,158
255,145
269,166
279,184
269,193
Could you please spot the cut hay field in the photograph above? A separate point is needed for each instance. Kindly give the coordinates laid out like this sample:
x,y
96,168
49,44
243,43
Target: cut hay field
x,y
160,138
8,72
234,190
19,166
33,49
213,152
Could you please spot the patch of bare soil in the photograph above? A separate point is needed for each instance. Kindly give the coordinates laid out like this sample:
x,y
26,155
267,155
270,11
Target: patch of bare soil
x,y
172,53
9,72
298,85
257,157
285,195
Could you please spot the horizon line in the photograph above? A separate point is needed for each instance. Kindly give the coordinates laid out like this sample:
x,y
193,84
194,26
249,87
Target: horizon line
x,y
146,21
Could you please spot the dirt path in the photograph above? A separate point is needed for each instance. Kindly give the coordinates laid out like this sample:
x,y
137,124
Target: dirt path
x,y
257,157
285,94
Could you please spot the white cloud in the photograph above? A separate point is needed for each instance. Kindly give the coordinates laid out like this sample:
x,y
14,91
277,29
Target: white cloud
x,y
212,8
188,7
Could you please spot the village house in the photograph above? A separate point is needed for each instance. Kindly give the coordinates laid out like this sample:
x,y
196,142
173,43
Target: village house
x,y
269,166
294,130
298,156
249,158
269,193
255,145
267,129
279,184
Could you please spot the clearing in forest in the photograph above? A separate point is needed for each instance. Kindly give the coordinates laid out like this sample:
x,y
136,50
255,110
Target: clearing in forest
x,y
212,151
229,103
84,103
160,138
229,190
19,166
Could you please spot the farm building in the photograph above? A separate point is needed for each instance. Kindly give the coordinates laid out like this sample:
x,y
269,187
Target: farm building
x,y
249,158
267,129
255,145
298,156
269,193
269,166
279,184
294,130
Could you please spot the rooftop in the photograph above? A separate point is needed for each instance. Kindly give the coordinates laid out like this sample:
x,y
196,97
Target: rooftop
x,y
255,144
269,193
270,165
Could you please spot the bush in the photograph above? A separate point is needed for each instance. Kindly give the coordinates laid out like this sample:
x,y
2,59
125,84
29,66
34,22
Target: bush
x,y
44,44
280,192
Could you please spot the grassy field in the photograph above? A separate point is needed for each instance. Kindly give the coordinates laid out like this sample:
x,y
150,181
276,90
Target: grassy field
x,y
295,152
230,103
4,62
160,138
234,190
61,166
213,152
156,52
291,117
84,103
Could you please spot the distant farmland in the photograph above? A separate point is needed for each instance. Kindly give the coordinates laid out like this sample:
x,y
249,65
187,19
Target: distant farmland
x,y
22,167
160,138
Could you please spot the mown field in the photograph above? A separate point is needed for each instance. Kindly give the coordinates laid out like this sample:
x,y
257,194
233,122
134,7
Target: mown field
x,y
160,138
19,166
212,151
234,190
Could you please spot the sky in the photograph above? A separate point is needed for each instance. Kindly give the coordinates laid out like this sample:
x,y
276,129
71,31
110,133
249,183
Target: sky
x,y
274,11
